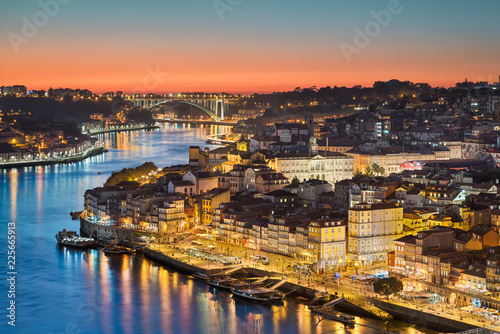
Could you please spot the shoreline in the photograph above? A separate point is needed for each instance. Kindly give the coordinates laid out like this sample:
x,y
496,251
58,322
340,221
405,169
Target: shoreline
x,y
143,127
179,121
76,158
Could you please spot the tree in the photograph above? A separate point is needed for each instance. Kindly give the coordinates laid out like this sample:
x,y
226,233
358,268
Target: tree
x,y
368,171
377,169
357,172
68,99
295,180
141,116
388,286
372,109
71,129
130,174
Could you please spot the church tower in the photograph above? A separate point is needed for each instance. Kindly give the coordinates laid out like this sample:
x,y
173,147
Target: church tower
x,y
309,119
313,146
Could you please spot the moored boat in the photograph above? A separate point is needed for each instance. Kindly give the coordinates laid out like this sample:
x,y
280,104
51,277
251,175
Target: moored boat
x,y
222,283
116,250
322,297
200,276
258,294
71,239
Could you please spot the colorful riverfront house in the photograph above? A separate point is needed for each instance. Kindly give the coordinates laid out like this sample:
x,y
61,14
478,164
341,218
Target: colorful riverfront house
x,y
327,243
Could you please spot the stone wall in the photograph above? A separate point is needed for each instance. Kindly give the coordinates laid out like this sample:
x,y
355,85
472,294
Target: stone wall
x,y
178,265
422,320
88,229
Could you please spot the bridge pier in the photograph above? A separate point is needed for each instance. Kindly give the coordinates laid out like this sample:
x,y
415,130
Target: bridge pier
x,y
222,109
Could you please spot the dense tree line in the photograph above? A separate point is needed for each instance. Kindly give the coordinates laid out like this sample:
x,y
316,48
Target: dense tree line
x,y
382,91
130,174
43,114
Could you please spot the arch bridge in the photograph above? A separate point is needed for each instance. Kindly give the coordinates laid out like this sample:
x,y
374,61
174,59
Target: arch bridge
x,y
213,105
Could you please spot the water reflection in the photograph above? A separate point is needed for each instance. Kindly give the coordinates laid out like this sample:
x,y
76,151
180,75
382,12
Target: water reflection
x,y
136,295
13,186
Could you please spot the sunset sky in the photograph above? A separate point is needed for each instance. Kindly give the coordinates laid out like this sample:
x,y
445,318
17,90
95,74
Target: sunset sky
x,y
252,46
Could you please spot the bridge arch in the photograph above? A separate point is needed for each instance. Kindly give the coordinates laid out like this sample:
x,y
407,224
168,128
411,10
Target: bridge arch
x,y
211,114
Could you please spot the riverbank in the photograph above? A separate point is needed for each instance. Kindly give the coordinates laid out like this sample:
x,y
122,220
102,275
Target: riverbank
x,y
121,128
355,304
180,121
171,257
423,320
70,159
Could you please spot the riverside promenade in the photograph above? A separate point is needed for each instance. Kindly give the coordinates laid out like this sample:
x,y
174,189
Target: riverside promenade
x,y
121,128
90,152
176,257
360,298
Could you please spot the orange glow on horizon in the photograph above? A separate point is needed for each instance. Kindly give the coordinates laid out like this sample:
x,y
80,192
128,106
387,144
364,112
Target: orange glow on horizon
x,y
252,73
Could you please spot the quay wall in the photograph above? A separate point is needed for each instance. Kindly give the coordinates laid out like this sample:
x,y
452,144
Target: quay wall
x,y
422,320
91,230
309,293
182,267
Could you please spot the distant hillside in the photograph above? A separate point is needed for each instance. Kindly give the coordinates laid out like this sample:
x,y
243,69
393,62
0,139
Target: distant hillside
x,y
43,114
48,110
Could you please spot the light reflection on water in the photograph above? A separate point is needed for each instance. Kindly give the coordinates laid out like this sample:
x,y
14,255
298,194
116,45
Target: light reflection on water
x,y
62,290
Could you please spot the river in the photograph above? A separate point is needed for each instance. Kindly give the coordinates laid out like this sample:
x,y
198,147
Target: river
x,y
59,290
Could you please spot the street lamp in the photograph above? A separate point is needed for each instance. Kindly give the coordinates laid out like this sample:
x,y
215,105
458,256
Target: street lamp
x,y
356,264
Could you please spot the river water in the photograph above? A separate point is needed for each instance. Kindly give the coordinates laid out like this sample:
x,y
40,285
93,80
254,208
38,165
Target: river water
x,y
59,290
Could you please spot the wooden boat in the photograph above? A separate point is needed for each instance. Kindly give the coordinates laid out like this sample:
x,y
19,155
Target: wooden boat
x,y
258,294
333,315
200,276
116,250
222,283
